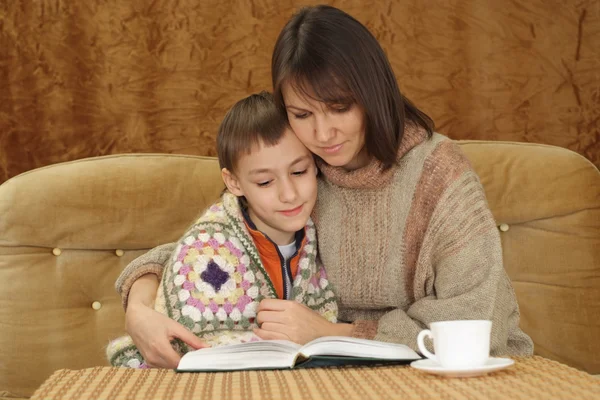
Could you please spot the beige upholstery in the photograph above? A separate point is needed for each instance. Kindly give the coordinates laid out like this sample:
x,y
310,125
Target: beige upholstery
x,y
548,201
61,227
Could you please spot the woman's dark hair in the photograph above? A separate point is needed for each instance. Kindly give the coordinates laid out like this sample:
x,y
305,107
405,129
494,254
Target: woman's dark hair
x,y
329,56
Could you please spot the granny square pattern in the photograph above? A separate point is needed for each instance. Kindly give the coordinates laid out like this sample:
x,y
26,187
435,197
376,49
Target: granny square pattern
x,y
215,280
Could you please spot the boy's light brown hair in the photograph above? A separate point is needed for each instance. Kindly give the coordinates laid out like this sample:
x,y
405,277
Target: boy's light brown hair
x,y
251,121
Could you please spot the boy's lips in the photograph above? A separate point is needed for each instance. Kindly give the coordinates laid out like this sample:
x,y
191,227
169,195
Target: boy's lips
x,y
293,211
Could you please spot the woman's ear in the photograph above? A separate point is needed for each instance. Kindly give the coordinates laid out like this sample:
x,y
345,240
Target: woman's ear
x,y
232,183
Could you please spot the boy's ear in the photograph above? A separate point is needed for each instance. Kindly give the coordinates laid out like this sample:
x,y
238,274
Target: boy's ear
x,y
232,183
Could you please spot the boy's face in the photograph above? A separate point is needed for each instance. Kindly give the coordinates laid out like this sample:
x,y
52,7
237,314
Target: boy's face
x,y
280,185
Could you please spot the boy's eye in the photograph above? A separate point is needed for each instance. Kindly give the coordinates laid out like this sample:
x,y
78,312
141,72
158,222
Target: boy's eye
x,y
263,184
298,173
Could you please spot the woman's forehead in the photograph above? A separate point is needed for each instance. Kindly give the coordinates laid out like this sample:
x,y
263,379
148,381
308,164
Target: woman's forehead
x,y
300,95
313,93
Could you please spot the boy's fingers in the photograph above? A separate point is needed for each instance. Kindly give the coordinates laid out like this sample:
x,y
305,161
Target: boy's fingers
x,y
269,335
273,305
269,316
275,328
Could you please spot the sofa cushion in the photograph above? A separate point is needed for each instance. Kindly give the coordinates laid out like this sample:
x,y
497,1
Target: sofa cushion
x,y
546,201
66,232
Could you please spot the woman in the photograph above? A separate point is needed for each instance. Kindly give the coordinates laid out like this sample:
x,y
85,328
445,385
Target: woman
x,y
404,228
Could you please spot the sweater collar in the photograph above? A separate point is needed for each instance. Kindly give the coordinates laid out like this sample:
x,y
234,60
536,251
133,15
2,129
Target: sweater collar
x,y
372,176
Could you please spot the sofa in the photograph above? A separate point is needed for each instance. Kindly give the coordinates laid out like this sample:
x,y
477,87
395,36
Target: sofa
x,y
68,230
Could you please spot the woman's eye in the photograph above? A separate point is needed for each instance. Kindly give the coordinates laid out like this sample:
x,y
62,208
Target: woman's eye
x,y
263,184
301,116
298,173
341,108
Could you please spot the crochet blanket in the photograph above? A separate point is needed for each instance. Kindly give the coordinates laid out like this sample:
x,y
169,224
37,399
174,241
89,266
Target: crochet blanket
x,y
215,280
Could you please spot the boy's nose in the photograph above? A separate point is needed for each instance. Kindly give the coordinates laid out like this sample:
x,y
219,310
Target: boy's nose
x,y
288,192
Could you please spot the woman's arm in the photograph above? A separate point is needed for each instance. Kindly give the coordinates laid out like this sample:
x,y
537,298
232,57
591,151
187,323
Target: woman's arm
x,y
152,262
143,291
151,331
459,274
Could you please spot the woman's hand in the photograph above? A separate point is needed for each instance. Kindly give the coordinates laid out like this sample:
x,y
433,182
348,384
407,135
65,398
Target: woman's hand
x,y
290,320
152,331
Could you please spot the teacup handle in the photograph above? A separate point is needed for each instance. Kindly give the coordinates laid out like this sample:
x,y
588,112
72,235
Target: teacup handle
x,y
421,344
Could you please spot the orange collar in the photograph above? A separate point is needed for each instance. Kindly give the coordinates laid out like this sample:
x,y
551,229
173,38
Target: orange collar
x,y
271,256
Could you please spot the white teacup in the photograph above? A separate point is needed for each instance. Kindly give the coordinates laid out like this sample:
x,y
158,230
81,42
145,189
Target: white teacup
x,y
458,344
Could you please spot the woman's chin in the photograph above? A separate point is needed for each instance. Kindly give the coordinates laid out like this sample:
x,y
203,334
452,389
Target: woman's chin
x,y
335,160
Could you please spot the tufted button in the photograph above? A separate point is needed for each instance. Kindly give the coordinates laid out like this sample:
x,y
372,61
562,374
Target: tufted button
x,y
56,251
96,305
119,252
504,227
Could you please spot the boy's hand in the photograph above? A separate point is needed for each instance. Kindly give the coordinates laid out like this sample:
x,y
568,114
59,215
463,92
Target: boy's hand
x,y
152,333
290,320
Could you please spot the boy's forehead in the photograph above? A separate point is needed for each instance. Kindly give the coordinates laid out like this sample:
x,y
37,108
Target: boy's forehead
x,y
288,151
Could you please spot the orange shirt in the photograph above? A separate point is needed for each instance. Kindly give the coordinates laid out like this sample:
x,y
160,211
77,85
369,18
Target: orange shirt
x,y
272,259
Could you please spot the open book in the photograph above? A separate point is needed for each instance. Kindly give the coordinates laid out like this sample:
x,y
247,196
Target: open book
x,y
283,354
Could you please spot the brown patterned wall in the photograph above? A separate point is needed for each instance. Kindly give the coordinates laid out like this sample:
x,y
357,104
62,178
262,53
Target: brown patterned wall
x,y
95,77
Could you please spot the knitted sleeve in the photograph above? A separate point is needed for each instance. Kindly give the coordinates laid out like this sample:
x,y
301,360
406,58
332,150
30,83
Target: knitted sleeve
x,y
152,262
458,274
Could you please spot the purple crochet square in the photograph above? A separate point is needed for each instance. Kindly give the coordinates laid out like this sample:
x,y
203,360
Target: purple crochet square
x,y
214,275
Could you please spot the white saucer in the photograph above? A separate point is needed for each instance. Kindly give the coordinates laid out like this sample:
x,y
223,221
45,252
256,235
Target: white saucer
x,y
492,364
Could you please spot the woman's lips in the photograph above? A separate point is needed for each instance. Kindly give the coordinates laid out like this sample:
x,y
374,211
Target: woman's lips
x,y
292,212
332,149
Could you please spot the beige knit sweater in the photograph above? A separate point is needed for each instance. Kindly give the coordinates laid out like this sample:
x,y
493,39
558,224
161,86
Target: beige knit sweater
x,y
406,247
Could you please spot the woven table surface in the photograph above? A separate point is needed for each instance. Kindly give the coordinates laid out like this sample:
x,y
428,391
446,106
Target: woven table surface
x,y
528,378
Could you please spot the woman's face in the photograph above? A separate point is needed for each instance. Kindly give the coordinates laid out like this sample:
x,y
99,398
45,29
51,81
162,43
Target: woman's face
x,y
334,132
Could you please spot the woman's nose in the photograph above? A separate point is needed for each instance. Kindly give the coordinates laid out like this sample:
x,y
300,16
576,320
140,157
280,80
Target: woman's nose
x,y
323,130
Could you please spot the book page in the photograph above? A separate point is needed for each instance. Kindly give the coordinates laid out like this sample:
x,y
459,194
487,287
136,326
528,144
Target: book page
x,y
353,347
263,354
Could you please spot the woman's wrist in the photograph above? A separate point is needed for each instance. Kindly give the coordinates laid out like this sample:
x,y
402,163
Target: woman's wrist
x,y
143,291
341,329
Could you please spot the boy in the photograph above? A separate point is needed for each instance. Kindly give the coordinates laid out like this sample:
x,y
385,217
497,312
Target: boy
x,y
256,242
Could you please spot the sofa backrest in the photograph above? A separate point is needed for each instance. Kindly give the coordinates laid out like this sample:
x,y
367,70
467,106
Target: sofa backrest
x,y
67,230
546,201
